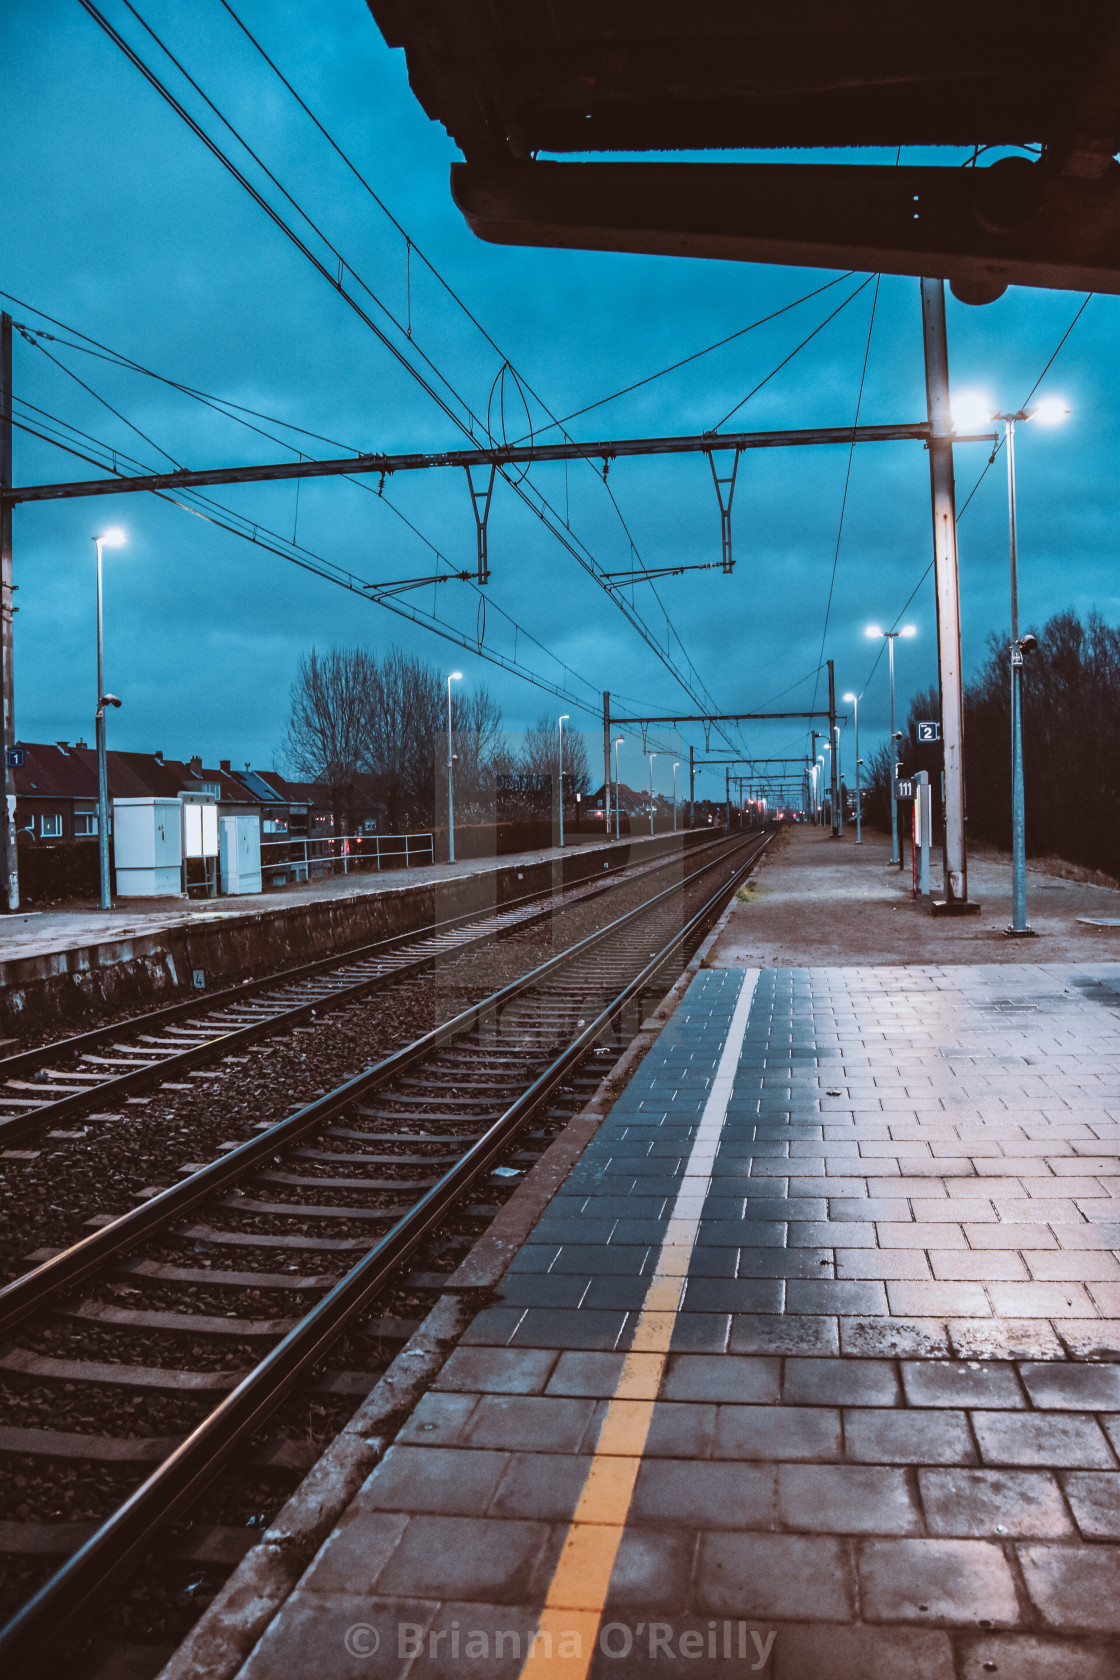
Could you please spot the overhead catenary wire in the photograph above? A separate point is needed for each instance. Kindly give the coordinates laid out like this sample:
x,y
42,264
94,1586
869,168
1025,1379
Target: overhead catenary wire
x,y
796,351
847,485
572,543
262,536
34,338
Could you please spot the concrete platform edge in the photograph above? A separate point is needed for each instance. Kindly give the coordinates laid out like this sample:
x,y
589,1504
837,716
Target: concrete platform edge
x,y
224,1636
56,987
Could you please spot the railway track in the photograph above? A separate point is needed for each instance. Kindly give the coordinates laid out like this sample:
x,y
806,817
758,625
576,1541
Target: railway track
x,y
286,1243
55,1084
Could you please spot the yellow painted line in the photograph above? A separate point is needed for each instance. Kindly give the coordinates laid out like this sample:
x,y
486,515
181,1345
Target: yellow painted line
x,y
568,1626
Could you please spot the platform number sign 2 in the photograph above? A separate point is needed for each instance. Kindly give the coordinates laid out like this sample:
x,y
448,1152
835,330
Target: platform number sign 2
x,y
928,733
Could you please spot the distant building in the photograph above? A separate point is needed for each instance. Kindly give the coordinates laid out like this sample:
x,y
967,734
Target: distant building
x,y
56,792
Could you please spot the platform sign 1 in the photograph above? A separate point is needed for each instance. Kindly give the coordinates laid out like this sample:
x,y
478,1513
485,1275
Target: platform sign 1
x,y
928,733
904,787
14,758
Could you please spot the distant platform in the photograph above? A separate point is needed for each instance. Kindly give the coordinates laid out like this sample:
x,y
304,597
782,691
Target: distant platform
x,y
56,963
818,902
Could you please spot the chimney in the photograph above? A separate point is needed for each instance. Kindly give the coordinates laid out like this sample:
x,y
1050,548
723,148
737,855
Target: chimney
x,y
223,766
79,742
196,765
158,756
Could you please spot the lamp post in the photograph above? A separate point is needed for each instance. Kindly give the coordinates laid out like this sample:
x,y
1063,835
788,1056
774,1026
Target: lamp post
x,y
891,636
676,767
617,743
112,538
455,676
652,756
853,701
839,829
1048,412
560,722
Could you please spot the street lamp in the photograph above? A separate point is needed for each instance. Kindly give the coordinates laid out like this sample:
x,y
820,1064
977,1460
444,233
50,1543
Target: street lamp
x,y
676,767
114,537
660,753
455,676
617,743
853,701
560,722
891,636
1048,412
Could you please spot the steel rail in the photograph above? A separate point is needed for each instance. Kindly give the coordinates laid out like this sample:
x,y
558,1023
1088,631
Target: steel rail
x,y
26,1294
13,1127
110,1554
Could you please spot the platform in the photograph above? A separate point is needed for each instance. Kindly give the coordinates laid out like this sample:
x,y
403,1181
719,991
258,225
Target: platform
x,y
809,1369
58,965
32,932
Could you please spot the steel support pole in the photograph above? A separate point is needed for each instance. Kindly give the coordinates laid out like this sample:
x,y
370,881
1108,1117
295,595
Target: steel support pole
x,y
102,759
834,814
947,587
450,783
692,787
727,794
859,783
896,856
839,783
606,762
1018,803
9,857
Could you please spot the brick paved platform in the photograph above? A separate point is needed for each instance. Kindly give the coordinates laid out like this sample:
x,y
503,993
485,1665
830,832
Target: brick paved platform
x,y
811,1369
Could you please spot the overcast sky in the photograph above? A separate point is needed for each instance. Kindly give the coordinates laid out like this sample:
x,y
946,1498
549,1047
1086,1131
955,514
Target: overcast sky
x,y
123,227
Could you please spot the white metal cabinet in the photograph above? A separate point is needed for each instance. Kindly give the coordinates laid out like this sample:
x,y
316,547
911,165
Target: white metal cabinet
x,y
147,848
239,840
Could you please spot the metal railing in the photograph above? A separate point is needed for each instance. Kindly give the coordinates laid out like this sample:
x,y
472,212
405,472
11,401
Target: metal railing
x,y
309,857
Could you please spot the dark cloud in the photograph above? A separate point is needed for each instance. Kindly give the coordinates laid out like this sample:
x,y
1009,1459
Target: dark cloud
x,y
119,222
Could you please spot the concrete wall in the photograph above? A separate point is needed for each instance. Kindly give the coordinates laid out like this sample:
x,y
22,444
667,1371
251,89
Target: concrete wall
x,y
68,988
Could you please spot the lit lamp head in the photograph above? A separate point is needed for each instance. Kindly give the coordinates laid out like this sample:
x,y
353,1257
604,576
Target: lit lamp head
x,y
908,630
972,411
114,537
852,699
873,630
455,676
1051,411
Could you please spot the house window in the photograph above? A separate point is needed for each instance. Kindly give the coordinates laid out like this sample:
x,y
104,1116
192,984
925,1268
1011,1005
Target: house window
x,y
85,825
50,825
275,825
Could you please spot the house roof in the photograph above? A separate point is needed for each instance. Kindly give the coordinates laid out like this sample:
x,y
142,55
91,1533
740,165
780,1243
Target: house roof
x,y
70,772
54,772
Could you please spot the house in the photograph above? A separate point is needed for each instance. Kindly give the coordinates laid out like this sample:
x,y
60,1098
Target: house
x,y
56,791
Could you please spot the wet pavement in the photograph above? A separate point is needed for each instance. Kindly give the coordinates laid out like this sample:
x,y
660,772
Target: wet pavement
x,y
810,1369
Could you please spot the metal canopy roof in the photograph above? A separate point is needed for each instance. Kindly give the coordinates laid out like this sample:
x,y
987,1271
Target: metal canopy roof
x,y
511,78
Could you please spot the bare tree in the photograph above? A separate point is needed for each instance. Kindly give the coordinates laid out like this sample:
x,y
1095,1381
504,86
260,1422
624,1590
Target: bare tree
x,y
476,722
329,725
403,738
541,761
374,730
